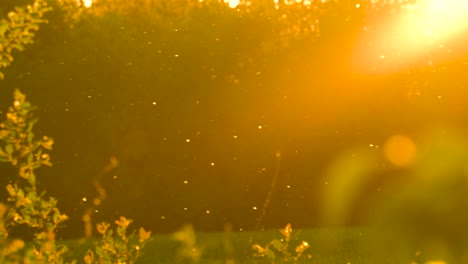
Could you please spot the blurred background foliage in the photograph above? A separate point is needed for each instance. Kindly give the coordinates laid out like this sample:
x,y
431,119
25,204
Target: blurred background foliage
x,y
134,80
419,213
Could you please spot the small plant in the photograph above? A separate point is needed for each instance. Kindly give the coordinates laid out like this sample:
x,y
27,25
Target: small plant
x,y
26,206
189,249
118,247
280,251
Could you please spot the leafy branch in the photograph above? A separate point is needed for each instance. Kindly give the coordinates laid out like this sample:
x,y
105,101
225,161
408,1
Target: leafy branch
x,y
281,249
18,29
26,206
118,247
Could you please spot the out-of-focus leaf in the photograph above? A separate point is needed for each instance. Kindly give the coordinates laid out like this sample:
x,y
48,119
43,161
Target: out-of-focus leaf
x,y
11,190
3,154
277,244
9,149
3,28
271,255
347,177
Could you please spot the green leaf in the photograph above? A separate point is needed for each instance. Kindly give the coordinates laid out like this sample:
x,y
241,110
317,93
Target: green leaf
x,y
9,57
3,27
30,138
11,190
20,194
32,179
277,244
27,218
3,154
3,63
9,149
20,47
270,255
30,158
41,236
32,121
32,196
99,251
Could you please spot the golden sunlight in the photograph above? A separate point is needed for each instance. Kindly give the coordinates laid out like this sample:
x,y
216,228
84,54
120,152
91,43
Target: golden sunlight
x,y
436,20
232,3
87,3
426,26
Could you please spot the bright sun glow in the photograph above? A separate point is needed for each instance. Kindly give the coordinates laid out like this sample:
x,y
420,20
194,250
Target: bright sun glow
x,y
87,3
422,27
232,3
437,19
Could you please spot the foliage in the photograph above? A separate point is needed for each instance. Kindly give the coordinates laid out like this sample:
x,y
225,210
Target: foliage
x,y
19,147
18,29
266,22
419,208
173,12
118,247
26,206
71,9
281,250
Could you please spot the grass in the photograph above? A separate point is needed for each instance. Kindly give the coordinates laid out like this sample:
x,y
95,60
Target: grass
x,y
328,246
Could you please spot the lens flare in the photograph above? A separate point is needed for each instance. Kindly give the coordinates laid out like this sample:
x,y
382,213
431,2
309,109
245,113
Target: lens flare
x,y
436,20
400,150
426,26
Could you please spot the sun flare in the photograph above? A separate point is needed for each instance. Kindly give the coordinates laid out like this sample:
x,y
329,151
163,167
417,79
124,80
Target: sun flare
x,y
233,3
87,3
441,18
419,28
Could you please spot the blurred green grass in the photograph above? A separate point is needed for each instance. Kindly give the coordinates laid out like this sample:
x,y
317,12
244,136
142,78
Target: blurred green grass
x,y
326,246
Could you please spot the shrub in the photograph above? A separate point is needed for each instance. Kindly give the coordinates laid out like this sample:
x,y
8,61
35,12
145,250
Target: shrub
x,y
281,250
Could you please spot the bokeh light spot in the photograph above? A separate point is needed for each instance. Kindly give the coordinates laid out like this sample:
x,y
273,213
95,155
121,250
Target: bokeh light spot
x,y
400,150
